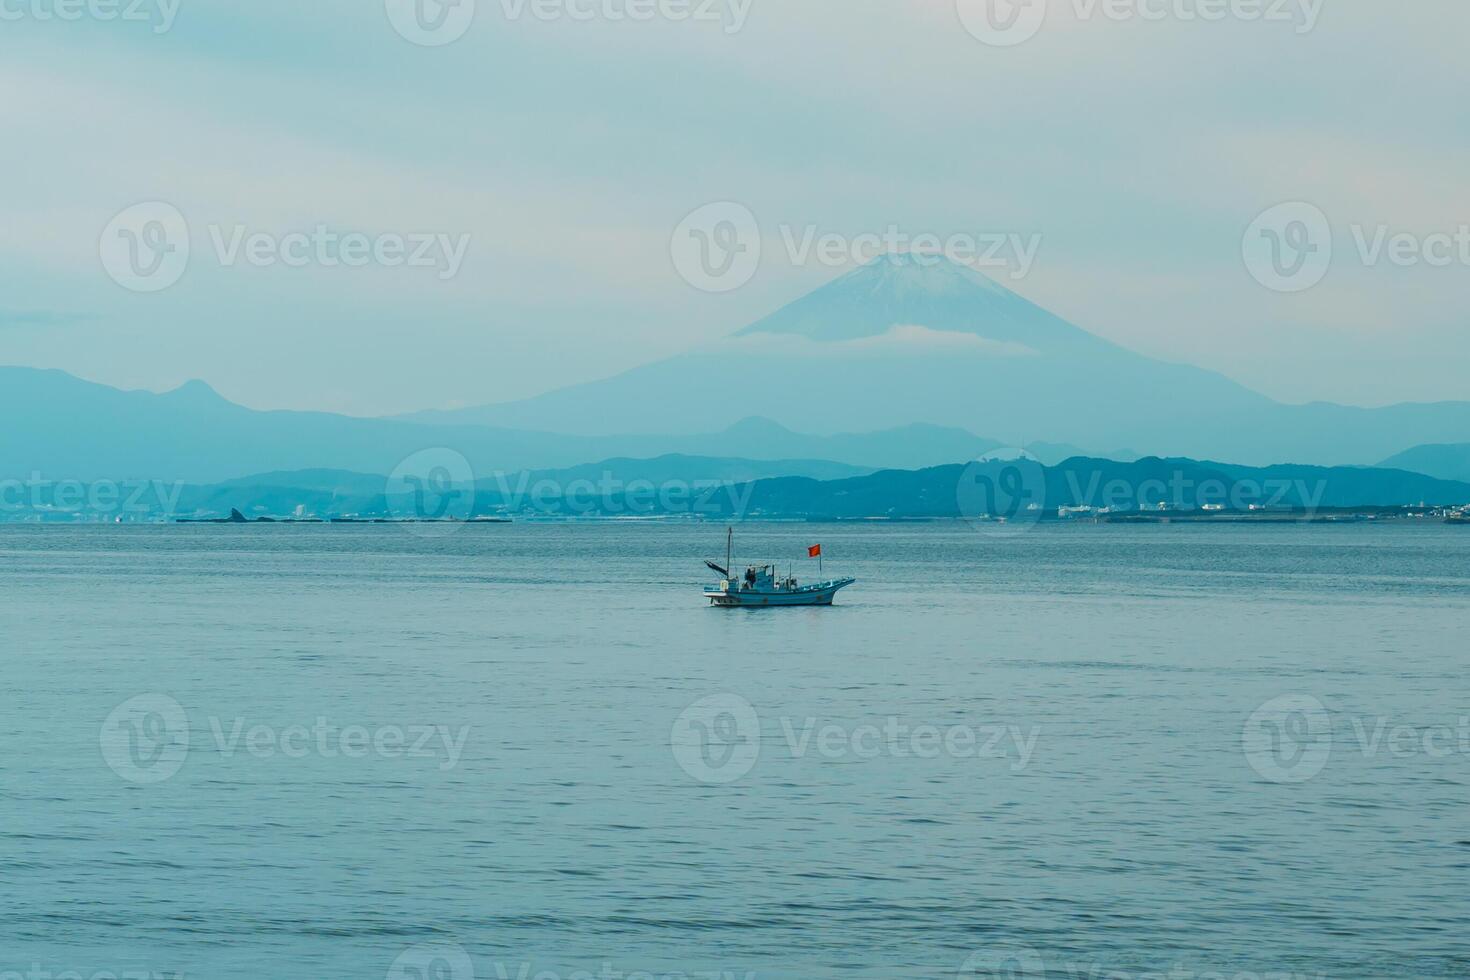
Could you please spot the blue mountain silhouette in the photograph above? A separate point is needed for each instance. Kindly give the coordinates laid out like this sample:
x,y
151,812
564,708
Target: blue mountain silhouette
x,y
910,339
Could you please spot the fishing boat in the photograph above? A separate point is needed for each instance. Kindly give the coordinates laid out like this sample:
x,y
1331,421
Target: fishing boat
x,y
760,587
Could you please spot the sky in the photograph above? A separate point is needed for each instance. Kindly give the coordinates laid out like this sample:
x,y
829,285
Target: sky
x,y
1271,189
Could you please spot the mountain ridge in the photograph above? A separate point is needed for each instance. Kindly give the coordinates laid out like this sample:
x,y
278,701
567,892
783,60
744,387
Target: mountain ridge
x,y
941,492
858,354
193,434
1447,461
842,374
663,487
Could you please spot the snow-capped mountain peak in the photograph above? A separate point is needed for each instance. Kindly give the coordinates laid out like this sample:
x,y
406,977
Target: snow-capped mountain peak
x,y
924,290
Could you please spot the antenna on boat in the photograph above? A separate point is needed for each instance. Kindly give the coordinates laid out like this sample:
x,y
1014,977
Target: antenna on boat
x,y
729,548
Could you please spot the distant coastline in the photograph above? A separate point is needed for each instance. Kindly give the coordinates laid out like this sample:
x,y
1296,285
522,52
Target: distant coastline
x,y
1077,490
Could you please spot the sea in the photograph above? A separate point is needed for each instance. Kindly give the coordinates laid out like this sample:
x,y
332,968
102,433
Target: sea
x,y
535,751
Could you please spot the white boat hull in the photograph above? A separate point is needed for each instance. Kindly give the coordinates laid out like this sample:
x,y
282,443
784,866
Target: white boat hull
x,y
820,594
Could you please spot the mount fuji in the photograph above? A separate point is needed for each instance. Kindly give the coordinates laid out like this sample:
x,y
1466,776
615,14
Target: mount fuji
x,y
914,339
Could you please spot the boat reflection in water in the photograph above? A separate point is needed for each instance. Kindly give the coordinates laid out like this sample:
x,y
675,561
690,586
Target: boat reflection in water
x,y
760,588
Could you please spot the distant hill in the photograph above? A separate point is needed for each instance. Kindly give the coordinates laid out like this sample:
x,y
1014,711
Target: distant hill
x,y
901,448
339,493
950,491
328,493
897,365
692,486
1448,461
76,430
677,466
919,339
658,469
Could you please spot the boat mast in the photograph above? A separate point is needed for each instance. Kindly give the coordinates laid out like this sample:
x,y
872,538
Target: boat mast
x,y
729,546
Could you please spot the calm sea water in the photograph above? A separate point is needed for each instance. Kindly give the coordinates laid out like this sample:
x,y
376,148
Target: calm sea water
x,y
321,752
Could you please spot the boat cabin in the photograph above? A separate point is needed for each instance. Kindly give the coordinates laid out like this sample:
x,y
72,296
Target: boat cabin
x,y
762,578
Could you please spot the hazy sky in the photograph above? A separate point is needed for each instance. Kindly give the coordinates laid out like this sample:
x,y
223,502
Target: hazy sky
x,y
1135,142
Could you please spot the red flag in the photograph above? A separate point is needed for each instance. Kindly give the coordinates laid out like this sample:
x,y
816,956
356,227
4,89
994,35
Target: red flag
x,y
815,551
